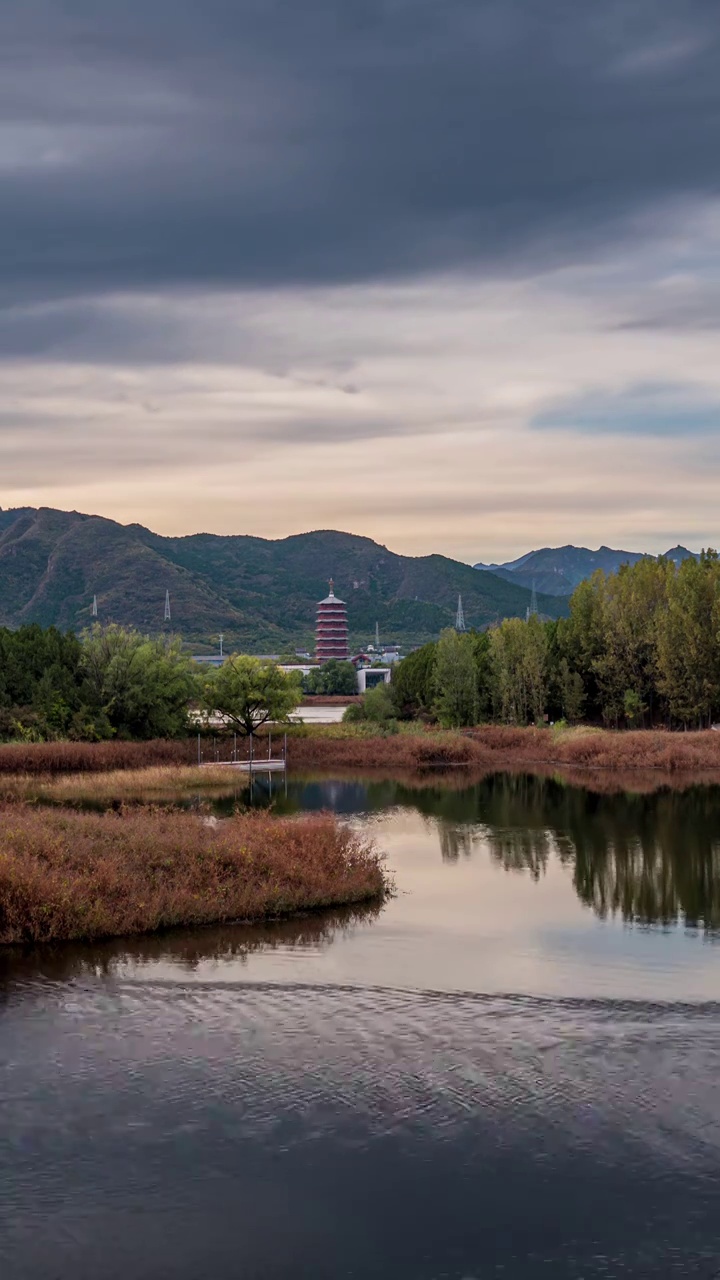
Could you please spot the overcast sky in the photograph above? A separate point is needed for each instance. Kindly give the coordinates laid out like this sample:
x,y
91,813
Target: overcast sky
x,y
442,272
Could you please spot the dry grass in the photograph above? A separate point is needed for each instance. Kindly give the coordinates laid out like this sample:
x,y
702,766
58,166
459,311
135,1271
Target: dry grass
x,y
340,747
158,784
94,757
364,747
65,874
588,748
497,747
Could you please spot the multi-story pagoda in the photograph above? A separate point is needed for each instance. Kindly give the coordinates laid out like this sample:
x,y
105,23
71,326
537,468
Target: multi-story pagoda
x,y
331,629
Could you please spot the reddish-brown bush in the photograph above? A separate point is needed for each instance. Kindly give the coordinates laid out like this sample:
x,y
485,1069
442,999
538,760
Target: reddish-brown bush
x,y
601,749
500,747
65,874
344,749
93,757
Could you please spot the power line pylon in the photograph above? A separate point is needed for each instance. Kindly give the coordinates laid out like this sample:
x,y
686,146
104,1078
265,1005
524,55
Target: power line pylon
x,y
460,617
167,606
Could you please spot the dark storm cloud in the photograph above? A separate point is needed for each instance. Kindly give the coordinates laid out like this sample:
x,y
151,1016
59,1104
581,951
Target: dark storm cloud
x,y
168,143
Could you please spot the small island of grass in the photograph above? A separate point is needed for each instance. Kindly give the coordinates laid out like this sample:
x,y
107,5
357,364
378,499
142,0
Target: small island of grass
x,y
67,875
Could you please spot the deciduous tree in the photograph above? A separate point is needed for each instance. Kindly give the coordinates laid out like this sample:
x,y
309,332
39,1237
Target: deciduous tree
x,y
247,692
456,680
142,687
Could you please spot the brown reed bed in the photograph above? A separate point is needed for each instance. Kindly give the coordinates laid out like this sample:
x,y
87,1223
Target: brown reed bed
x,y
94,757
71,875
589,748
363,747
158,784
498,747
343,747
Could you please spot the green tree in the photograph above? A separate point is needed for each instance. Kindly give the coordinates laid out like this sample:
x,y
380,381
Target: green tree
x,y
333,678
688,641
140,688
247,692
378,704
519,659
413,685
40,682
456,680
630,601
482,652
579,639
571,692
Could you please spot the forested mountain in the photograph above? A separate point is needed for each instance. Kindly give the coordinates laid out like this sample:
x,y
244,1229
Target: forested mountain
x,y
261,594
558,570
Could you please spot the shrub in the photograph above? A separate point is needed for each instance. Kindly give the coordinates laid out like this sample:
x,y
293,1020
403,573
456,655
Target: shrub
x,y
65,874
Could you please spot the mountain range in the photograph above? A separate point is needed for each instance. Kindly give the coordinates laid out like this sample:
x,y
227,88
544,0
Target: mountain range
x,y
260,593
557,571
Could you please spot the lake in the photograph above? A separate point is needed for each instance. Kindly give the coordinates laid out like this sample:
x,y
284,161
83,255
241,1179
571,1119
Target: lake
x,y
510,1070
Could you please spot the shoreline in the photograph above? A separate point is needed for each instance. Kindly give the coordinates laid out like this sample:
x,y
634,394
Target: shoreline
x,y
411,748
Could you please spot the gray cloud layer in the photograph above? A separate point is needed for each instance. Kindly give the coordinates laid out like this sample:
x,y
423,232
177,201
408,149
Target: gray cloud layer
x,y
401,265
269,142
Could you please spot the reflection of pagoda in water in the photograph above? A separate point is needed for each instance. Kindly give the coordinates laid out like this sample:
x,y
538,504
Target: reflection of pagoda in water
x,y
331,629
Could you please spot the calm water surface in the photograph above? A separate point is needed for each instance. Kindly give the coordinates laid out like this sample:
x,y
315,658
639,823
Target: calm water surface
x,y
510,1070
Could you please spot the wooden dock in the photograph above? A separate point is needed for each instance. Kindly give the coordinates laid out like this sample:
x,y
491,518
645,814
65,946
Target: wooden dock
x,y
246,766
252,763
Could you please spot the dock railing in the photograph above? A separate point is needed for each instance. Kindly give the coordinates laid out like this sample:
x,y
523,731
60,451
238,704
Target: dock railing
x,y
248,754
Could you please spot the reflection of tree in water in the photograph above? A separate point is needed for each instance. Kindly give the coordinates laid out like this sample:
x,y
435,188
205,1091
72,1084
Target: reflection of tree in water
x,y
455,840
523,845
521,850
650,858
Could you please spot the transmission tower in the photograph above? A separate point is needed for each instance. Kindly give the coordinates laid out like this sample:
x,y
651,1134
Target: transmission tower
x,y
167,606
221,638
377,635
460,617
94,608
532,608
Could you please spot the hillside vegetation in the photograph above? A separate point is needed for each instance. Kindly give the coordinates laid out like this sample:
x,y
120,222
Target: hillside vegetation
x,y
559,570
260,593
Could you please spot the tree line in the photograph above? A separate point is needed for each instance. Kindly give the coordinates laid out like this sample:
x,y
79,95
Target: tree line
x,y
116,683
640,648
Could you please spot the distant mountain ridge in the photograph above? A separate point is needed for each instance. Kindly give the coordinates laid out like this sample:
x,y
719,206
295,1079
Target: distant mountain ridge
x,y
557,571
260,593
